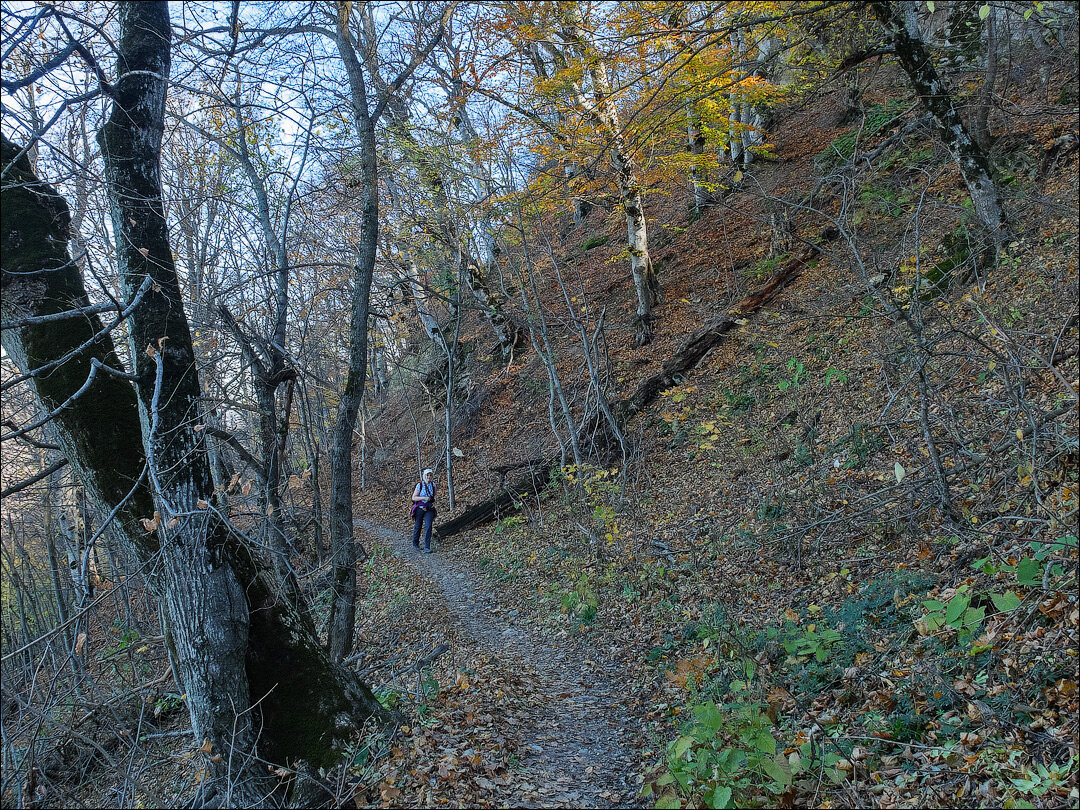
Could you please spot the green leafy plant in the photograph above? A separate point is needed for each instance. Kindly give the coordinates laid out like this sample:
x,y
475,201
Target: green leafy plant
x,y
728,755
1038,781
803,644
579,601
509,522
862,442
835,375
1035,568
765,268
878,118
798,371
595,241
960,613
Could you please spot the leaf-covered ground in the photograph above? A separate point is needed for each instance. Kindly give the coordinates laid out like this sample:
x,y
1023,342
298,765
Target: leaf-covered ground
x,y
523,720
783,606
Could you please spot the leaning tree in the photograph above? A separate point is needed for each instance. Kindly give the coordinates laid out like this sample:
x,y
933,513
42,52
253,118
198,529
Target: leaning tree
x,y
245,653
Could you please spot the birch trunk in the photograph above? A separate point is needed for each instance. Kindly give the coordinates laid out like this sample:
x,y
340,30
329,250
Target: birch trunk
x,y
696,140
605,113
930,87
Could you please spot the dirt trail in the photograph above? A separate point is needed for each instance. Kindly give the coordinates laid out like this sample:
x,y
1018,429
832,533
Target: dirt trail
x,y
579,744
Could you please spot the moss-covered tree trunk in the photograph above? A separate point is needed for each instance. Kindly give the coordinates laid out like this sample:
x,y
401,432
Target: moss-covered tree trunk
x,y
898,21
232,634
40,280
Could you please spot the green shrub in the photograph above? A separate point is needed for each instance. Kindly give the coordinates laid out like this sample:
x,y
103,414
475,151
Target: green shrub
x,y
878,118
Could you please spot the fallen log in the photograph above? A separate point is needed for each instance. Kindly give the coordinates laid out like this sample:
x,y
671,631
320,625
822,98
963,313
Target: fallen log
x,y
674,370
709,335
504,501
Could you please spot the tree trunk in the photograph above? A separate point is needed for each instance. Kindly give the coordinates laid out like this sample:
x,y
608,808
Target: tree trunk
x,y
930,87
344,547
696,139
605,113
304,705
981,124
204,599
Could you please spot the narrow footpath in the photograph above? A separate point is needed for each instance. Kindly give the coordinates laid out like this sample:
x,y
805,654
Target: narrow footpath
x,y
580,743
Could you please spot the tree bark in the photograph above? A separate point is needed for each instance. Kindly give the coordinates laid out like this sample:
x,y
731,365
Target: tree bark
x,y
981,124
203,597
931,88
605,113
304,705
344,547
698,181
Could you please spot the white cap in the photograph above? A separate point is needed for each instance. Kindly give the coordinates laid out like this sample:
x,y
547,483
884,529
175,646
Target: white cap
x,y
429,470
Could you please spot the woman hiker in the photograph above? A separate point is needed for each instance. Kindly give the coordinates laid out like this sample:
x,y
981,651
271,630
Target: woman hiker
x,y
423,509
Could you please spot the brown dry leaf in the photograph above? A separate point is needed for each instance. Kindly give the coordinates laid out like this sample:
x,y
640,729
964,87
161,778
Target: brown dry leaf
x,y
151,524
246,488
232,482
447,766
294,482
207,746
216,758
172,522
199,428
388,792
144,252
150,350
80,642
201,504
689,667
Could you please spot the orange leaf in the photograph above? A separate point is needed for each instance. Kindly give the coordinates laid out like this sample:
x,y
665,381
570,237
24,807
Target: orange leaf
x,y
151,525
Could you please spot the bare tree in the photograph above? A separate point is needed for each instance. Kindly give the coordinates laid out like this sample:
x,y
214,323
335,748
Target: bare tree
x,y
243,653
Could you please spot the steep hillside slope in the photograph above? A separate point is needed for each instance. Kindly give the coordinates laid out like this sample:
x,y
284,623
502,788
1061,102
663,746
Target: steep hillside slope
x,y
839,566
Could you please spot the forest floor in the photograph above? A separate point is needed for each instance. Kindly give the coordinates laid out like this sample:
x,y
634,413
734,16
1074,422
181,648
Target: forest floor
x,y
780,611
571,732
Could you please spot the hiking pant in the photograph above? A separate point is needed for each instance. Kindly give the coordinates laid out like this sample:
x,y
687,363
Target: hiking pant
x,y
424,518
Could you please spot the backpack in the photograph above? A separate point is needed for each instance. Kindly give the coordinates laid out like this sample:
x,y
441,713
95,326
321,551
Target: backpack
x,y
416,506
